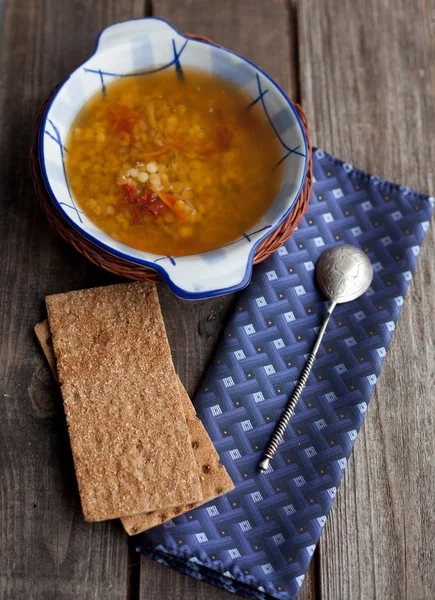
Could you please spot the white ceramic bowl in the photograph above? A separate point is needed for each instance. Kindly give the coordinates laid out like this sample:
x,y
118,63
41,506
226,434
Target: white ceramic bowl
x,y
135,48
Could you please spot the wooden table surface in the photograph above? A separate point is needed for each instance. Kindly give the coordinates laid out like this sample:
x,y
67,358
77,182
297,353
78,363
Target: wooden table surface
x,y
365,73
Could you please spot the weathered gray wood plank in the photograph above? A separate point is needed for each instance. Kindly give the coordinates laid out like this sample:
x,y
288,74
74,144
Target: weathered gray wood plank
x,y
367,74
263,32
46,549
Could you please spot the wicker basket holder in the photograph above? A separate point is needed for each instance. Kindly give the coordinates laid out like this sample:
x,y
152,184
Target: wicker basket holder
x,y
132,270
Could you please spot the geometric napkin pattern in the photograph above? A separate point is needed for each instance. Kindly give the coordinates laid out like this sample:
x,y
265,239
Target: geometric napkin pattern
x,y
258,539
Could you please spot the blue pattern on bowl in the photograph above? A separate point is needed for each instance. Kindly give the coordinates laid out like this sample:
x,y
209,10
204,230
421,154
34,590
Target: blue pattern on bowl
x,y
146,46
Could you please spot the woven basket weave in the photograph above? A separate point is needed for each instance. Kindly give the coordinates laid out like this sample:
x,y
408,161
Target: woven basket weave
x,y
132,270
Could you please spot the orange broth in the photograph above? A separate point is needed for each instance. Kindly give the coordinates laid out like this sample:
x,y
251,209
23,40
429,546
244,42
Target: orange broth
x,y
173,166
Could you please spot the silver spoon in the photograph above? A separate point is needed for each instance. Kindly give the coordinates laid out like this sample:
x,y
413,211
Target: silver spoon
x,y
343,273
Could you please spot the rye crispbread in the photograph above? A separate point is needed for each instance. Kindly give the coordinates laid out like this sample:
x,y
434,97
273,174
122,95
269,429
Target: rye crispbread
x,y
130,443
214,480
43,333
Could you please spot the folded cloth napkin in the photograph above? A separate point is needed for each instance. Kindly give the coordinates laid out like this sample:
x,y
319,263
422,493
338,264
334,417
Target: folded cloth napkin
x,y
258,540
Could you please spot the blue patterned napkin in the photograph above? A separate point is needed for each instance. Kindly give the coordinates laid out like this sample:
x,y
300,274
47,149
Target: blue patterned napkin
x,y
258,540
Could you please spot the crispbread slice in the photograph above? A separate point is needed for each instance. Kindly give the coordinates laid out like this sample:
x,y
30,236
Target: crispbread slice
x,y
131,447
43,334
214,481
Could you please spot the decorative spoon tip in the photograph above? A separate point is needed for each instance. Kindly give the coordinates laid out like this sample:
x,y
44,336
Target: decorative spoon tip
x,y
264,465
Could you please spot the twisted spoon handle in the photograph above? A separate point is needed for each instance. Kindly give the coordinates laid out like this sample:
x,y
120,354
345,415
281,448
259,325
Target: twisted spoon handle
x,y
279,431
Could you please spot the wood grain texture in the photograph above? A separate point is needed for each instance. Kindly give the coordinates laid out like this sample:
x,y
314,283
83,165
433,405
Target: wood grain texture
x,y
46,549
368,80
265,33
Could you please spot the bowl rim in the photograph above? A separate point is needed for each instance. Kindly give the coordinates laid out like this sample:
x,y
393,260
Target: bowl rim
x,y
188,295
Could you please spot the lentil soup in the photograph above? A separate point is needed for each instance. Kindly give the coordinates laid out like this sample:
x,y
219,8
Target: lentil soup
x,y
173,166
